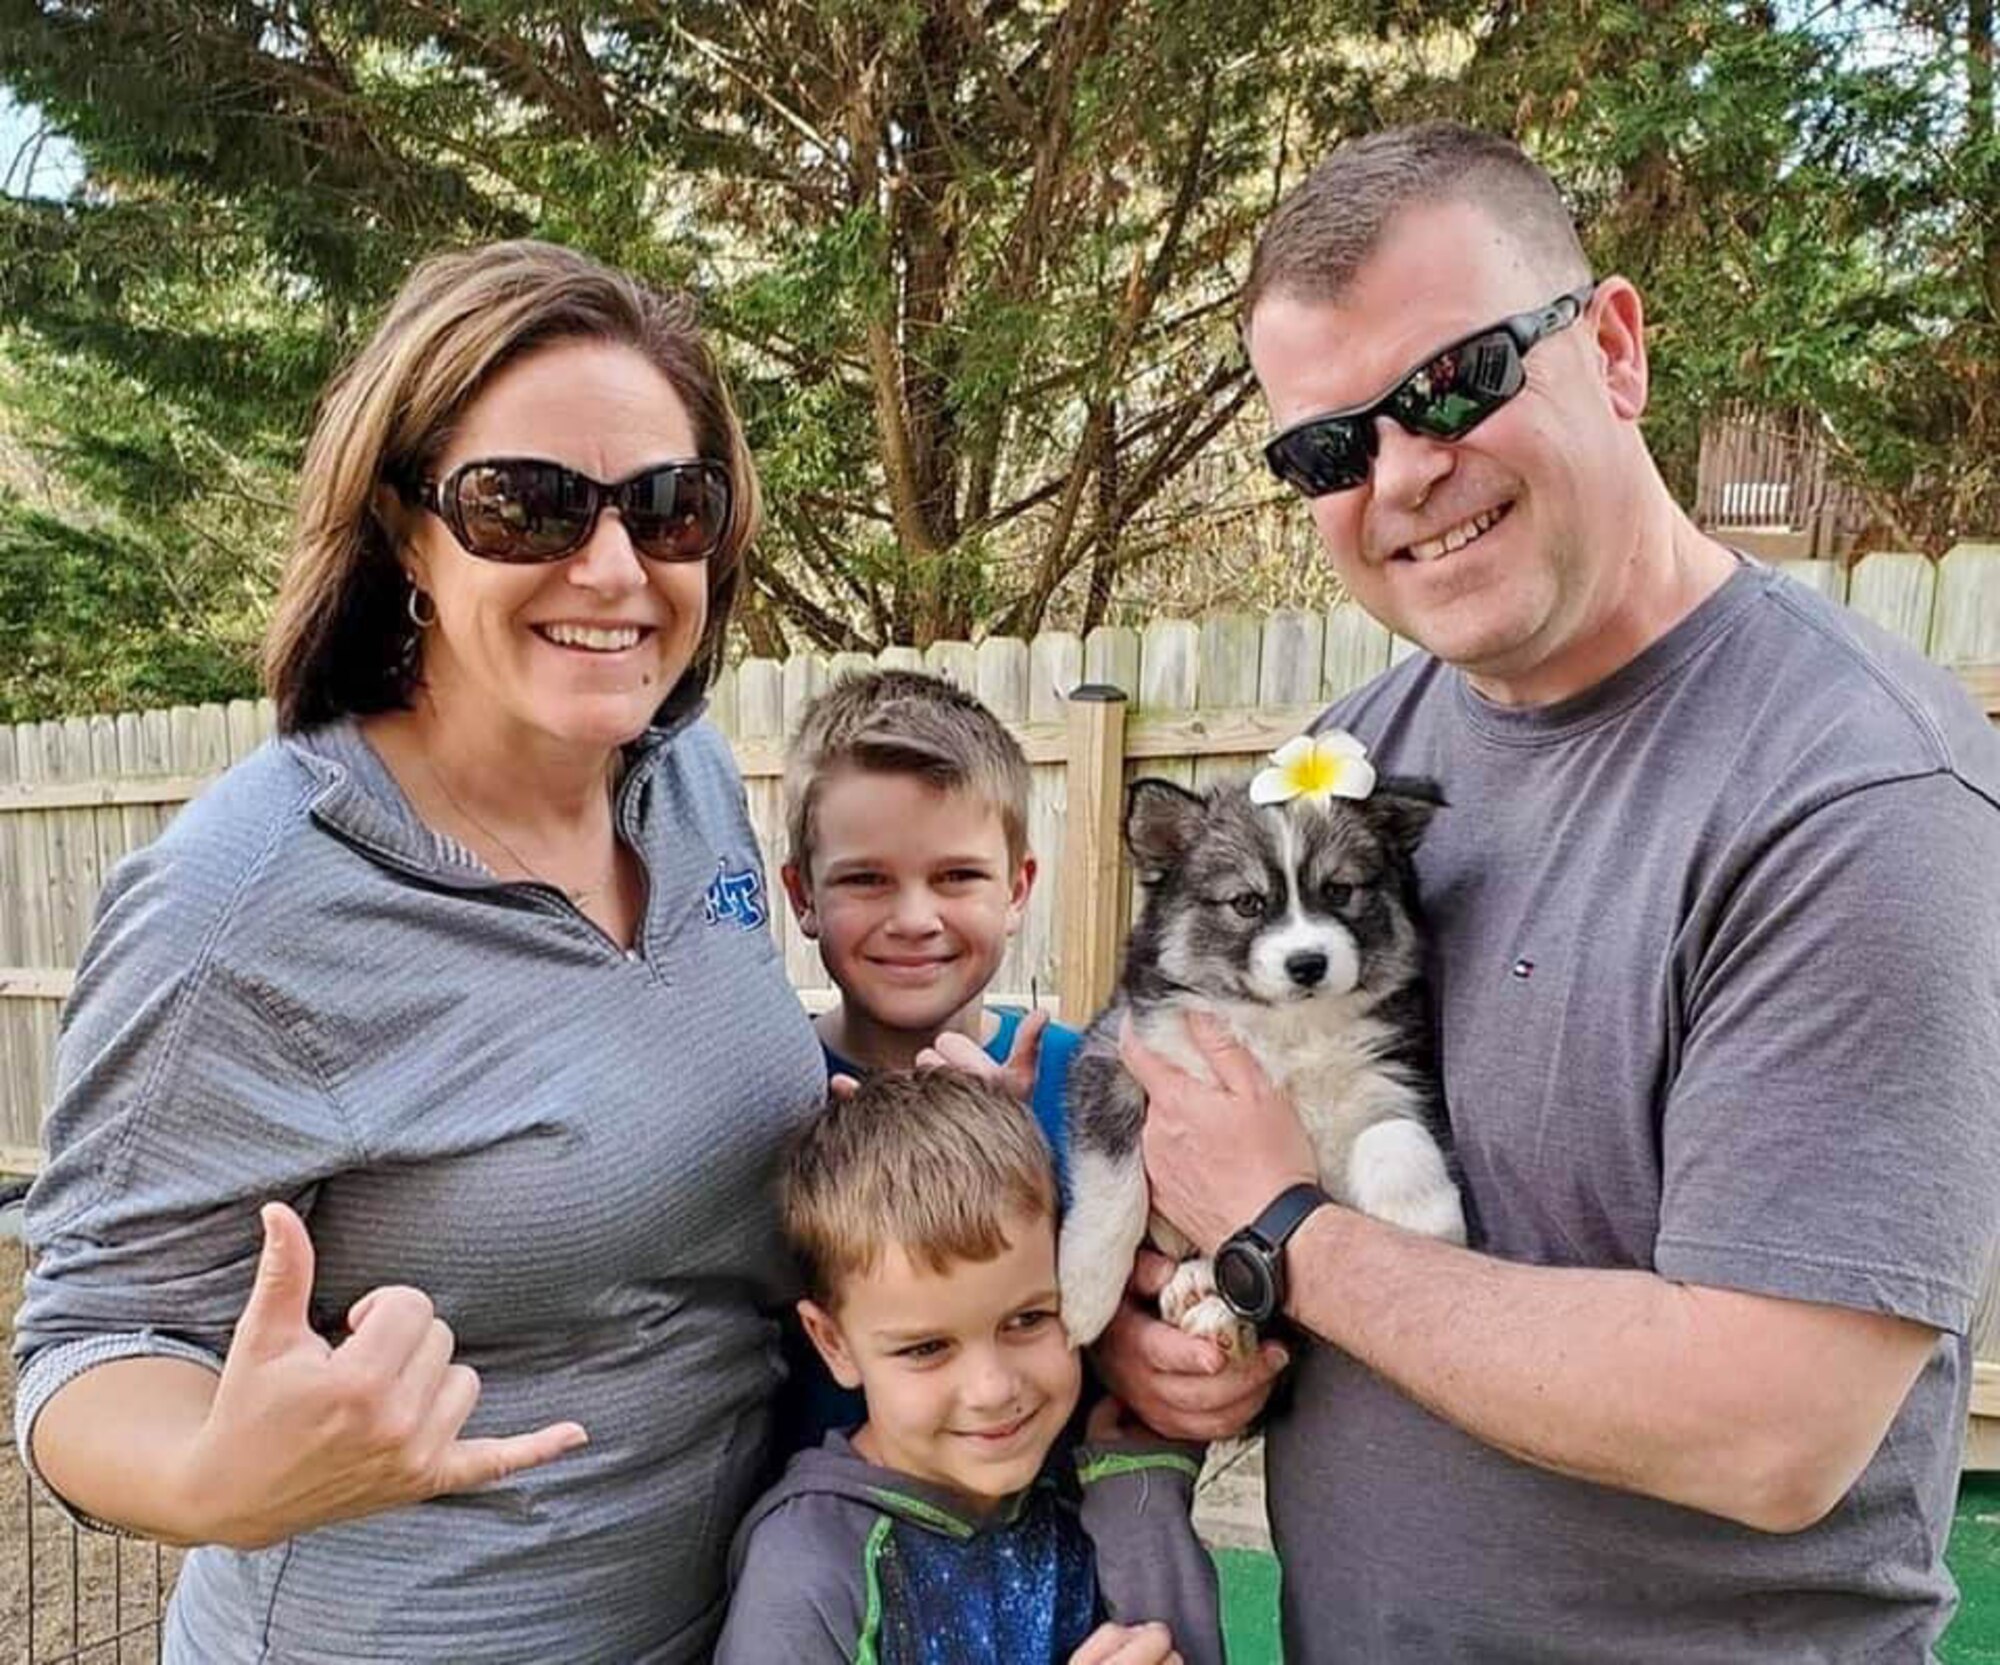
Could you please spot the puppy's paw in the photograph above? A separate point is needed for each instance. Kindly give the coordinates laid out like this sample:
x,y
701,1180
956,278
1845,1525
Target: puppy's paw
x,y
1397,1173
1193,1282
1212,1319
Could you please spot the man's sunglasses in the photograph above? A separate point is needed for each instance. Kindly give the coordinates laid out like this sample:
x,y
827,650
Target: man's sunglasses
x,y
1445,397
526,509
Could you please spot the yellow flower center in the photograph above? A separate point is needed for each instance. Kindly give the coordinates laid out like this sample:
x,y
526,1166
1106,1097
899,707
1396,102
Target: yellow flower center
x,y
1317,772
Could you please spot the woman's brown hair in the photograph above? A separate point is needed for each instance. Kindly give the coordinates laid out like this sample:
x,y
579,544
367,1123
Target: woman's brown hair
x,y
340,642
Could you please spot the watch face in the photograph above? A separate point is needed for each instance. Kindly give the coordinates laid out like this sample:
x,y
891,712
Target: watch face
x,y
1243,1279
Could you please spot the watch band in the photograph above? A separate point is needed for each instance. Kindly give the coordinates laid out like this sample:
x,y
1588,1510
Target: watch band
x,y
1285,1213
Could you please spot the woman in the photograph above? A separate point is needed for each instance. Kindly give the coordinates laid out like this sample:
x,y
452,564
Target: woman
x,y
439,1051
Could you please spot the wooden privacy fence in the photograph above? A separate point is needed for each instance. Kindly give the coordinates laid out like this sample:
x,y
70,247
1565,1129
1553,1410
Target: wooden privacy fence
x,y
1204,699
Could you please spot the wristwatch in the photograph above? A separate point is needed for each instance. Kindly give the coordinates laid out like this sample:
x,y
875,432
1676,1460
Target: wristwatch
x,y
1250,1265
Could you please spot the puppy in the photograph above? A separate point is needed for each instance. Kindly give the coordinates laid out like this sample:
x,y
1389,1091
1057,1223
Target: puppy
x,y
1295,924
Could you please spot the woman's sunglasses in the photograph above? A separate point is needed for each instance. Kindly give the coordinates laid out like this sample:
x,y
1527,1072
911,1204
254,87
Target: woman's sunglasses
x,y
526,509
1445,397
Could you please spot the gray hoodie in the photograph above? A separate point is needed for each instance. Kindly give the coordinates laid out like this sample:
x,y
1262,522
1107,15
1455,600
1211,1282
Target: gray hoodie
x,y
844,1561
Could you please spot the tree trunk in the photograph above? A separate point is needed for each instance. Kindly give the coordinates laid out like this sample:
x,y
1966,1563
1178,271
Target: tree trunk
x,y
1982,144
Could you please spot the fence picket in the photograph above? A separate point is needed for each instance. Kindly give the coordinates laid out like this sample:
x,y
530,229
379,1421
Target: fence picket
x,y
1827,577
137,823
760,717
244,726
1232,654
722,701
156,743
760,699
1170,671
1055,666
37,918
82,873
12,950
805,676
19,1110
1357,650
1965,627
1898,592
1294,646
1001,681
107,825
1111,656
956,662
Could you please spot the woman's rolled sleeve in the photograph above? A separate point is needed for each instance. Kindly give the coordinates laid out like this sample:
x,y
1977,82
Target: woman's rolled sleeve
x,y
183,1102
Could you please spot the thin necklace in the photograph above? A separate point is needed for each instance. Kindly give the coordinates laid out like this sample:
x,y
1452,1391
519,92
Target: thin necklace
x,y
577,897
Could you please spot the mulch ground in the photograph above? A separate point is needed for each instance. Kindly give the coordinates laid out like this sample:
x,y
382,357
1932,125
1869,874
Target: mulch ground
x,y
92,1599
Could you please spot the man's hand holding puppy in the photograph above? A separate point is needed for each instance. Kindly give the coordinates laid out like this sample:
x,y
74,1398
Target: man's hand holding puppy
x,y
1241,1114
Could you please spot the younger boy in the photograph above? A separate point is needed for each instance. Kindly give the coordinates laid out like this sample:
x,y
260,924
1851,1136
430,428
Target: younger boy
x,y
906,807
954,1524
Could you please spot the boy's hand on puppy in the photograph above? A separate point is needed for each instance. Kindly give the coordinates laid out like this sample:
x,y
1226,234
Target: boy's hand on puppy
x,y
1015,1077
1147,1644
302,1433
1177,1384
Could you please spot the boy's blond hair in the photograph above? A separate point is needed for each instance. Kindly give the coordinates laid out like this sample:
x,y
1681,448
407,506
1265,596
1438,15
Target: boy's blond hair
x,y
903,723
934,1162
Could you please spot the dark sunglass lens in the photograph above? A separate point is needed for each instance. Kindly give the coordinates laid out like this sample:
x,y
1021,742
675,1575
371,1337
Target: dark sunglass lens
x,y
676,513
1461,387
1321,457
522,511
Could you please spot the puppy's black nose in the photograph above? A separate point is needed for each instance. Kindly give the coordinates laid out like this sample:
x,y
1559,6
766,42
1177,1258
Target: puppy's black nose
x,y
1305,969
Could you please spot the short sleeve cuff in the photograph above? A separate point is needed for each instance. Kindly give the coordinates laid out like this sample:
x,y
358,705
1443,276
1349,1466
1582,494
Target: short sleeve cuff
x,y
1172,1462
1944,1305
54,1368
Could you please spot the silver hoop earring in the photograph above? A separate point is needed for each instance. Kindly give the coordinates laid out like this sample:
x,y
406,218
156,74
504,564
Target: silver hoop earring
x,y
415,604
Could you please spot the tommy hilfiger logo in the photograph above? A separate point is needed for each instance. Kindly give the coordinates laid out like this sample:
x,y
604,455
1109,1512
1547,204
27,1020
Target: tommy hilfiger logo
x,y
737,898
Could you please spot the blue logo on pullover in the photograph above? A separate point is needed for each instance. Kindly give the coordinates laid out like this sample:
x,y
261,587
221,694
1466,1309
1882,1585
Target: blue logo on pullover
x,y
735,897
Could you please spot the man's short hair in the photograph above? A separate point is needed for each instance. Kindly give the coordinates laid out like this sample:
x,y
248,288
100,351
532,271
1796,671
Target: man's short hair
x,y
935,1162
1324,232
903,723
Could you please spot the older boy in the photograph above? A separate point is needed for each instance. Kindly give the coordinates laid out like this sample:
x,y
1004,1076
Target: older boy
x,y
906,807
953,1523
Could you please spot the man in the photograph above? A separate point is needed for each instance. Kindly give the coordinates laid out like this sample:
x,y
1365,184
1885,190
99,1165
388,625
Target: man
x,y
1717,960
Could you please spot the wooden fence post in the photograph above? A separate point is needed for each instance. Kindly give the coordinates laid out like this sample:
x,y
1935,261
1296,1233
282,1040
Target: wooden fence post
x,y
1095,776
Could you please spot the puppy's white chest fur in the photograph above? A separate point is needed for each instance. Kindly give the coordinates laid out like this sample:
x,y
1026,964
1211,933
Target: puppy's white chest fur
x,y
1325,1055
1362,1113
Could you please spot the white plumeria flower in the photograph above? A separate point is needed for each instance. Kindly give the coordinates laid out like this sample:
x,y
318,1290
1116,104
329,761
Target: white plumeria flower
x,y
1317,768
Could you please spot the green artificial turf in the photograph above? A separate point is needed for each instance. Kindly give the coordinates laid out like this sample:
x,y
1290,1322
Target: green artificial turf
x,y
1249,1606
1974,1553
1250,1587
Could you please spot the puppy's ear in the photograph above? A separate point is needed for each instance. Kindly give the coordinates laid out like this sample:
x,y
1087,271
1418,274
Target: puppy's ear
x,y
1161,822
1401,806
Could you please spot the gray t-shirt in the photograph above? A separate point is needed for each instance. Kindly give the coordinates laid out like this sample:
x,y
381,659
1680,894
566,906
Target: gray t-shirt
x,y
300,992
1717,960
